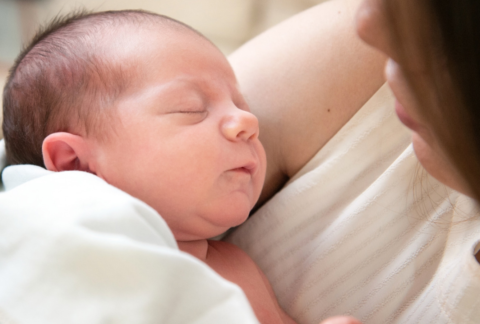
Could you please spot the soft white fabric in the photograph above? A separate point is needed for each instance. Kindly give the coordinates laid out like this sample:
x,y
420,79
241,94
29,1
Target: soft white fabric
x,y
3,160
74,249
362,229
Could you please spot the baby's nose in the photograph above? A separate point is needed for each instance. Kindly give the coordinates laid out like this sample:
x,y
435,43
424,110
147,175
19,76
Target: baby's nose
x,y
240,125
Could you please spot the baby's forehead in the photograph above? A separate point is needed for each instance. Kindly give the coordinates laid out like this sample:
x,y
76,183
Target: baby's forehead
x,y
172,54
140,47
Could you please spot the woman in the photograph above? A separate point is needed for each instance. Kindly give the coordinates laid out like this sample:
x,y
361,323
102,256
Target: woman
x,y
361,229
436,91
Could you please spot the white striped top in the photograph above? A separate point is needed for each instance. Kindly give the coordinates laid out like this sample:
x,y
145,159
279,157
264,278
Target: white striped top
x,y
362,229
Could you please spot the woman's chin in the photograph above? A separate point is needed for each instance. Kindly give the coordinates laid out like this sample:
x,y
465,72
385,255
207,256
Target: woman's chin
x,y
437,165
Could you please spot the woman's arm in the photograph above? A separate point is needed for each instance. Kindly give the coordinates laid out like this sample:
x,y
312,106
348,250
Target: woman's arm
x,y
304,79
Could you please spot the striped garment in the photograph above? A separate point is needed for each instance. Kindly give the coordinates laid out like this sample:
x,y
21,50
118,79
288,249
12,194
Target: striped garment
x,y
362,229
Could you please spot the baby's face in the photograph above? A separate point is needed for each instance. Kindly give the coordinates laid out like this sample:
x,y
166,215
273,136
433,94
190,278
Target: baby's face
x,y
186,143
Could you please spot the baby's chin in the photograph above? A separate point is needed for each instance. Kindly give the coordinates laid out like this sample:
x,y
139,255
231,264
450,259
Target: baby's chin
x,y
212,227
231,216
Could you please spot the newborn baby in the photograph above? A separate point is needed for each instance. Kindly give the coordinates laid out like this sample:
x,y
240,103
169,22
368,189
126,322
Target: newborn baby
x,y
153,108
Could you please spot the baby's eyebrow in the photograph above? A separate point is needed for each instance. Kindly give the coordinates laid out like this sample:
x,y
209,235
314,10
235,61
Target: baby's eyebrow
x,y
187,89
163,88
174,94
181,84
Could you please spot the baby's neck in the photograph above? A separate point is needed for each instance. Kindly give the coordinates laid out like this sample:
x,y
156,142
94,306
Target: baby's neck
x,y
196,248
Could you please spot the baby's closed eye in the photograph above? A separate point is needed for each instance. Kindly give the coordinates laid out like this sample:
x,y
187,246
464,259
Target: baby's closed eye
x,y
188,115
191,111
189,104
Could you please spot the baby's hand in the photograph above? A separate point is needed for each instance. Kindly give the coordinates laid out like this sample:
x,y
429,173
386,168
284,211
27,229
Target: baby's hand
x,y
341,320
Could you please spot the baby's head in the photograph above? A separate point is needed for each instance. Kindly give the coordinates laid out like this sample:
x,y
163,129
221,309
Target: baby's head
x,y
147,104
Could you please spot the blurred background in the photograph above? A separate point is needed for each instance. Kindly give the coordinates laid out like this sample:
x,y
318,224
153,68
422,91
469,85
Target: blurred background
x,y
228,23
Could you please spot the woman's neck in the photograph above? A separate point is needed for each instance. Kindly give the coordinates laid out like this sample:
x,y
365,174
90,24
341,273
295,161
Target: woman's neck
x,y
197,248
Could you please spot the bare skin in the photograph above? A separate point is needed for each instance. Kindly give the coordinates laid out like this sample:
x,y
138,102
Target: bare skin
x,y
236,266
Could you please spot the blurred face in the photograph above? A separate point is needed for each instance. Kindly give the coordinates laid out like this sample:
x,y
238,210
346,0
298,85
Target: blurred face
x,y
373,28
185,143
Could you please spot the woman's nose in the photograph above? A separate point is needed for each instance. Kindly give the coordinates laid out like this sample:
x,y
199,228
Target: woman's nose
x,y
372,25
240,125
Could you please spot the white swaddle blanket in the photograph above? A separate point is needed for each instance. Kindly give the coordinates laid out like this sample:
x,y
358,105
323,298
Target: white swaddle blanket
x,y
75,250
361,230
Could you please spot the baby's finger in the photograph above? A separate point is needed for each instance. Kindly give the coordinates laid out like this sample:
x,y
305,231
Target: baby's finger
x,y
341,320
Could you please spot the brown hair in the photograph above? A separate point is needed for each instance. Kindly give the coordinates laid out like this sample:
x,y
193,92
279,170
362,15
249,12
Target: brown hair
x,y
61,80
438,42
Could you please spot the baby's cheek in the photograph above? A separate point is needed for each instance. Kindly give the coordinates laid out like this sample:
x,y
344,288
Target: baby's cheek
x,y
260,177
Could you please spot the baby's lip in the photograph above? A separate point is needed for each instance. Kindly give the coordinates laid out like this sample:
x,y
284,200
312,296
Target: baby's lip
x,y
249,168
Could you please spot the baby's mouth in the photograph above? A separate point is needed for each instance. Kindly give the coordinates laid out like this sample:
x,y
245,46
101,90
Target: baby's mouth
x,y
243,170
247,169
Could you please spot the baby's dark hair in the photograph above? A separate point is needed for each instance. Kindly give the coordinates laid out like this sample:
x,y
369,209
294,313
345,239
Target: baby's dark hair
x,y
61,80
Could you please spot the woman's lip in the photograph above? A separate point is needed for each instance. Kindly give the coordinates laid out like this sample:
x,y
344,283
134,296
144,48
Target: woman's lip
x,y
404,117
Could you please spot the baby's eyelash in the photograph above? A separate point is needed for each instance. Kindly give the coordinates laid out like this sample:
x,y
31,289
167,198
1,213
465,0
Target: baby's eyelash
x,y
191,112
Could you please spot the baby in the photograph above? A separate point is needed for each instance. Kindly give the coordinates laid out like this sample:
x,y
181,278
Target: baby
x,y
152,107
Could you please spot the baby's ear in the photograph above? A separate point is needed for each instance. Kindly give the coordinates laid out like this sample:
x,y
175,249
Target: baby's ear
x,y
65,152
